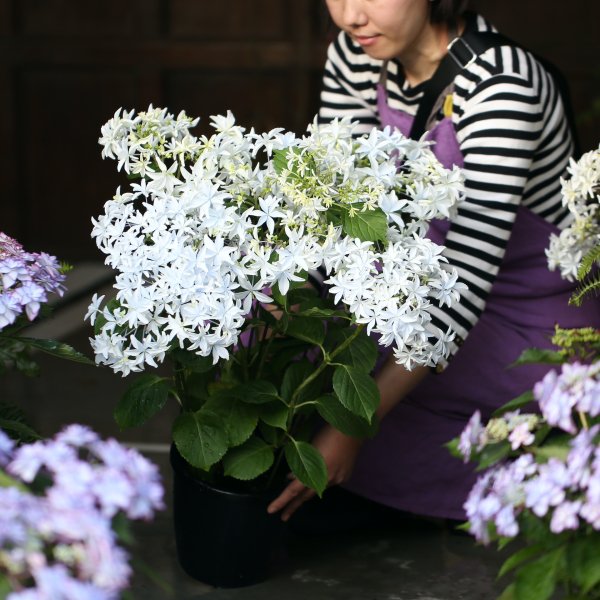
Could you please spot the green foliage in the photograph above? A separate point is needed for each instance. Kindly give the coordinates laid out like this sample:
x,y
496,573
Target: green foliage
x,y
146,396
251,417
250,460
368,226
307,465
200,438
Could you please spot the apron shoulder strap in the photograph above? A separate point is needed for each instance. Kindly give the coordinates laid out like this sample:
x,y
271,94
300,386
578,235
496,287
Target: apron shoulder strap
x,y
462,52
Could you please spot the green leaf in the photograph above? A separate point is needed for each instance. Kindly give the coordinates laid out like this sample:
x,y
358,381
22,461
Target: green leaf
x,y
192,361
452,446
492,453
307,330
142,400
362,352
513,561
281,159
14,420
317,312
508,593
239,419
330,409
583,562
547,451
356,390
200,438
249,460
275,414
519,402
307,465
303,294
57,349
5,586
7,481
539,355
537,579
368,226
295,375
23,432
258,391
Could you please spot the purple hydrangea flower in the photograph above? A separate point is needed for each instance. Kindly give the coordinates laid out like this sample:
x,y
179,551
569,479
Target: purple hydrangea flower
x,y
69,526
565,516
25,281
6,448
470,438
548,488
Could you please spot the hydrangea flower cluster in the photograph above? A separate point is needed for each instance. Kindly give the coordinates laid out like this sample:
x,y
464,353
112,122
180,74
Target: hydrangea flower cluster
x,y
581,195
57,538
560,484
214,223
26,279
513,426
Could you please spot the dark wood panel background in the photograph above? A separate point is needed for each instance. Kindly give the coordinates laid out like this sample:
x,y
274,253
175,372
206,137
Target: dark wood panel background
x,y
67,65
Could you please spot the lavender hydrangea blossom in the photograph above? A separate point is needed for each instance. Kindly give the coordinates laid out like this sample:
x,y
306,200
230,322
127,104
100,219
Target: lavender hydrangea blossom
x,y
26,280
60,543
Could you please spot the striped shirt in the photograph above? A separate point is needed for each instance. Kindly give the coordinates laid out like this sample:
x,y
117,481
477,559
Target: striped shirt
x,y
513,134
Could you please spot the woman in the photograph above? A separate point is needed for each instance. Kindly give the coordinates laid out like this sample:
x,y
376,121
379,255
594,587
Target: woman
x,y
501,118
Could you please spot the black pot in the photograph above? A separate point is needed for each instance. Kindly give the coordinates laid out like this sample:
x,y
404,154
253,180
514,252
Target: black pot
x,y
224,539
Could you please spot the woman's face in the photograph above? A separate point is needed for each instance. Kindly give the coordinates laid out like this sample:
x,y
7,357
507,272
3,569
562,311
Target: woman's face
x,y
385,29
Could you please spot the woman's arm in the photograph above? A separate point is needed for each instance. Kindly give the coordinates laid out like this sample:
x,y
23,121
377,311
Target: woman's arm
x,y
339,450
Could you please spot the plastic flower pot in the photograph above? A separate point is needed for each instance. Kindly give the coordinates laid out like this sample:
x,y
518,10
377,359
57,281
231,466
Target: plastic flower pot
x,y
224,539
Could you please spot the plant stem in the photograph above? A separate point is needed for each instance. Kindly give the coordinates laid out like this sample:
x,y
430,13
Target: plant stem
x,y
583,419
326,362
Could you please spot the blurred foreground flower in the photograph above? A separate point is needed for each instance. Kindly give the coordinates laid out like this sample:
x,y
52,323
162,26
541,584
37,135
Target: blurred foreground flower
x,y
64,506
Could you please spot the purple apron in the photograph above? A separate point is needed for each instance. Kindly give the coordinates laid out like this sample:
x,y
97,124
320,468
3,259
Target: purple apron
x,y
406,465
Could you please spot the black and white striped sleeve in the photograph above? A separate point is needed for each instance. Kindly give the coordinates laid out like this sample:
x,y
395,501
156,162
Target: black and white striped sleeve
x,y
499,127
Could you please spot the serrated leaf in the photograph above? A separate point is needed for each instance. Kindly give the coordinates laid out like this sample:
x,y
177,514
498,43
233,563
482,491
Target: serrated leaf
x,y
302,294
258,391
22,431
249,460
356,390
316,312
518,558
142,400
293,377
200,438
583,563
539,355
275,415
508,593
537,579
362,353
58,349
551,451
331,409
192,361
492,453
519,402
307,330
368,226
307,465
239,419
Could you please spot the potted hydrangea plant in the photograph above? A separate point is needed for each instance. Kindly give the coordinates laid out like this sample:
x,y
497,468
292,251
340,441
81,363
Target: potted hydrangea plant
x,y
217,248
540,486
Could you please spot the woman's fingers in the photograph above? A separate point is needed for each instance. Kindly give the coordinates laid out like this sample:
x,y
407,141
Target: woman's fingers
x,y
292,497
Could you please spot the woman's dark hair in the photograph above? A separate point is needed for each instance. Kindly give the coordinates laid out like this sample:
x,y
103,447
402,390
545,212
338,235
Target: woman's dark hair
x,y
447,11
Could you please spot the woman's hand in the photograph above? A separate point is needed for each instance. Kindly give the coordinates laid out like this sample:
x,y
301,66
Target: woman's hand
x,y
339,451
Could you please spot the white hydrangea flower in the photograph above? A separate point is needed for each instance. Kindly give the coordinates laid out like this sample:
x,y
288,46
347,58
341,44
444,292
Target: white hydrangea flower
x,y
213,223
